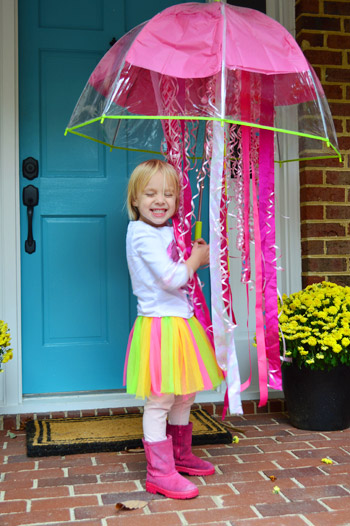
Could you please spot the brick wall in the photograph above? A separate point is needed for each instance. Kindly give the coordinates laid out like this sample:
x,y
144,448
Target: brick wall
x,y
323,32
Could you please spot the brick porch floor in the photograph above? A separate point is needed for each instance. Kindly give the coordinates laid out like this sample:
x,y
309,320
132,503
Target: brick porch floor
x,y
83,489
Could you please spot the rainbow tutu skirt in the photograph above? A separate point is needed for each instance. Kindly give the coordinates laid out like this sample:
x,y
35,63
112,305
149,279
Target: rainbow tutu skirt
x,y
169,355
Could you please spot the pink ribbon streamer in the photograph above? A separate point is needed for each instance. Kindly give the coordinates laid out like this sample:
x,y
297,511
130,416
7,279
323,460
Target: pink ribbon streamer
x,y
267,229
259,317
245,111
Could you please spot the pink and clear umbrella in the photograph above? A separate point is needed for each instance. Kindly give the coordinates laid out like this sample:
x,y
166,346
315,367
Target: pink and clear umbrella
x,y
227,73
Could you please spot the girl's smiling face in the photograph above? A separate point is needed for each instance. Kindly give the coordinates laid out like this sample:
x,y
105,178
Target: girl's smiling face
x,y
157,201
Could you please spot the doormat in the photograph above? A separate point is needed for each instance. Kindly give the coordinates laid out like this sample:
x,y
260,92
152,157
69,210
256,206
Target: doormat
x,y
67,436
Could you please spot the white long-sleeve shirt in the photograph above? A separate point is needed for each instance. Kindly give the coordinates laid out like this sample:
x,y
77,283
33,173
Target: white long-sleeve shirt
x,y
158,281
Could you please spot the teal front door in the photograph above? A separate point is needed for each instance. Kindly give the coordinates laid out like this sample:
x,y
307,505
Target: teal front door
x,y
77,305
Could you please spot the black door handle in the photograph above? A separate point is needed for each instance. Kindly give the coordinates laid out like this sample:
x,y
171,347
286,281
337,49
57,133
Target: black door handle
x,y
30,199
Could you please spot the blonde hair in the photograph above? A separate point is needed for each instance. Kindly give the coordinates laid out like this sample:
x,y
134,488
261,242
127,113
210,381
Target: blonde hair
x,y
140,178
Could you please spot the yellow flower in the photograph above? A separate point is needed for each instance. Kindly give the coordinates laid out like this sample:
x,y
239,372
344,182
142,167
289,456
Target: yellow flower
x,y
337,348
320,356
327,461
7,356
310,361
345,342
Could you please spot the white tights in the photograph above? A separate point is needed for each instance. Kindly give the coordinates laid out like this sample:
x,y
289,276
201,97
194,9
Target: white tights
x,y
158,408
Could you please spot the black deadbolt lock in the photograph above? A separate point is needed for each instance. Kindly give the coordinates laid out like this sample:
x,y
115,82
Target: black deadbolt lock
x,y
30,168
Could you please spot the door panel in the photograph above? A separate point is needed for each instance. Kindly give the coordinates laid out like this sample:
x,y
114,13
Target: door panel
x,y
84,317
64,156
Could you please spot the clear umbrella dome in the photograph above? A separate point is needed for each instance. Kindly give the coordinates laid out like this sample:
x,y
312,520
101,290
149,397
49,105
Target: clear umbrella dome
x,y
203,62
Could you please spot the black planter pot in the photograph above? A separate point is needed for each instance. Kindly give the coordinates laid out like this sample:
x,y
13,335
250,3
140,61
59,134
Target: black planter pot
x,y
317,400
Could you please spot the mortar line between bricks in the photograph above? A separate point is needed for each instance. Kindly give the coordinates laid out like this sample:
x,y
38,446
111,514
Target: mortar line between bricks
x,y
275,463
290,433
217,501
257,512
239,460
138,485
310,446
323,472
299,484
344,488
306,520
265,477
284,496
234,489
324,504
182,518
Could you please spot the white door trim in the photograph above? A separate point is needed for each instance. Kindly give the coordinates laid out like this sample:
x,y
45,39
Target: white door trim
x,y
10,280
11,400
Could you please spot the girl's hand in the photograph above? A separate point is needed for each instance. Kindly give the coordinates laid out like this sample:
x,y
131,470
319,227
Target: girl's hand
x,y
200,241
201,250
199,256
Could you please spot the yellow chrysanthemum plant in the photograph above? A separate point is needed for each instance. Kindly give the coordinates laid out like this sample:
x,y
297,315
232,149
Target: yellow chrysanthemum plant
x,y
314,326
6,353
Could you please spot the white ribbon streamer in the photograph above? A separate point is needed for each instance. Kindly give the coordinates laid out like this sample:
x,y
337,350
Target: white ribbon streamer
x,y
223,327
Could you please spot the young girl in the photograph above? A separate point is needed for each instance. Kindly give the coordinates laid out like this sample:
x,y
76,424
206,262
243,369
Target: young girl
x,y
169,356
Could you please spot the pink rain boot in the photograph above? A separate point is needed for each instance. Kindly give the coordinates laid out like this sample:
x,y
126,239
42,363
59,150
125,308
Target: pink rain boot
x,y
162,476
185,461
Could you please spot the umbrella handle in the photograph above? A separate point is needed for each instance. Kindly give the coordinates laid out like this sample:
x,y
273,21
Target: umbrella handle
x,y
198,225
198,230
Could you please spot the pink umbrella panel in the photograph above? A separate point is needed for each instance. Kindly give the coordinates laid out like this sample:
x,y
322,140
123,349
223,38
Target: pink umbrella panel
x,y
236,70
